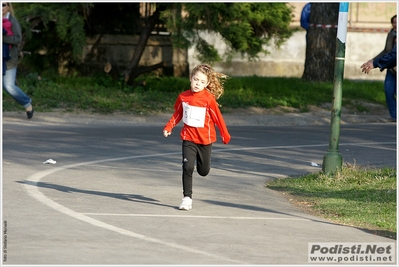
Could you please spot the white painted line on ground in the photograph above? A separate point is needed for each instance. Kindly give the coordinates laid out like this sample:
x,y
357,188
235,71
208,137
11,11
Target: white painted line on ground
x,y
197,216
373,146
33,191
301,146
31,188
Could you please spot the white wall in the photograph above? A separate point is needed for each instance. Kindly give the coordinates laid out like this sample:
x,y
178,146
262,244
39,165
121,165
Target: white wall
x,y
288,61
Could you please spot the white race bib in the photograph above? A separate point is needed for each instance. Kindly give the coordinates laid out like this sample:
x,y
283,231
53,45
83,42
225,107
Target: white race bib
x,y
193,116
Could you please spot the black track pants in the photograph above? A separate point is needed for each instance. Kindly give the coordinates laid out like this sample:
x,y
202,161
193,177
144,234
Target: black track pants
x,y
194,152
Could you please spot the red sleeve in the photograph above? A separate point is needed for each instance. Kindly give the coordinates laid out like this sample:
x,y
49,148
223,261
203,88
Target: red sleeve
x,y
218,119
176,117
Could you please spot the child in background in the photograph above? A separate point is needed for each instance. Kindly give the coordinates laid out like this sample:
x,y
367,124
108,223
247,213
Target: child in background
x,y
200,112
10,75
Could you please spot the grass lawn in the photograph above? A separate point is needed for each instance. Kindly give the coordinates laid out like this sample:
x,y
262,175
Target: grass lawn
x,y
363,198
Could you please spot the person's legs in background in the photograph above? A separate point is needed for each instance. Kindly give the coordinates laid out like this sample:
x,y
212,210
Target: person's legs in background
x,y
15,92
390,93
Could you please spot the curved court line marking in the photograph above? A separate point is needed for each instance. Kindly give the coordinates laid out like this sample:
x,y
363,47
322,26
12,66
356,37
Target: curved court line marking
x,y
372,145
33,191
301,146
196,216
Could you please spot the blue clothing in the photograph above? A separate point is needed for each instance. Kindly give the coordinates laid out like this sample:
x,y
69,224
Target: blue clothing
x,y
305,15
12,89
390,93
387,61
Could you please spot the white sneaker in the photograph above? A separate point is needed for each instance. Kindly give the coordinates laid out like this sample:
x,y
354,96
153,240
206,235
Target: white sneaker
x,y
187,204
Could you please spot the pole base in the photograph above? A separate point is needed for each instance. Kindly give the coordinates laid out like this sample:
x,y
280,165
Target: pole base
x,y
332,162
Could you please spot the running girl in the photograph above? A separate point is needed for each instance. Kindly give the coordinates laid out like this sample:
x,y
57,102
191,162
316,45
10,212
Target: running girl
x,y
200,113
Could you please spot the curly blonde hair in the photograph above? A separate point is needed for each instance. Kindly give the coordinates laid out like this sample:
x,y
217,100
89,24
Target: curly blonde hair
x,y
215,79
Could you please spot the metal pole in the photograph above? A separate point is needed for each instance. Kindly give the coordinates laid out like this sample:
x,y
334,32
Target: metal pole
x,y
332,161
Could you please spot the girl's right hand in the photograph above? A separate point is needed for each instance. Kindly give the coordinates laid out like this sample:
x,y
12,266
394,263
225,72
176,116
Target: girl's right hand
x,y
166,133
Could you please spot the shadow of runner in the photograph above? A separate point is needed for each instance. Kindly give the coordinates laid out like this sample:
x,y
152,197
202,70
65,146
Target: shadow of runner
x,y
261,209
121,196
388,234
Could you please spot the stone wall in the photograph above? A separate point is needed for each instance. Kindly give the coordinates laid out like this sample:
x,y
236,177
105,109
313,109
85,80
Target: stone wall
x,y
116,51
289,60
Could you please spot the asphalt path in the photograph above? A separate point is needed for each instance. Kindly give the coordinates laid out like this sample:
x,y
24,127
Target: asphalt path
x,y
112,196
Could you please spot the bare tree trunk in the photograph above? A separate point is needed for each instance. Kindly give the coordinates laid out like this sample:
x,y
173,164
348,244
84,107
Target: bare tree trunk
x,y
321,43
131,71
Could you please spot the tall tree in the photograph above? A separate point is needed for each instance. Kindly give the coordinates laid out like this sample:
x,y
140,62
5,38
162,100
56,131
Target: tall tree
x,y
321,42
61,23
56,28
150,19
247,28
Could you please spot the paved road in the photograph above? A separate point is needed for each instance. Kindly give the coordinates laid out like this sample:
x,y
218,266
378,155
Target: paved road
x,y
112,196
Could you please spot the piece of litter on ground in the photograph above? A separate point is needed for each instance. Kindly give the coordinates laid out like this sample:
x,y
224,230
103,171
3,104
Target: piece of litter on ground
x,y
50,161
314,164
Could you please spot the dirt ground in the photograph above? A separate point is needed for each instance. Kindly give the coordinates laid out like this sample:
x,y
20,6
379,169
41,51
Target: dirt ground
x,y
251,116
